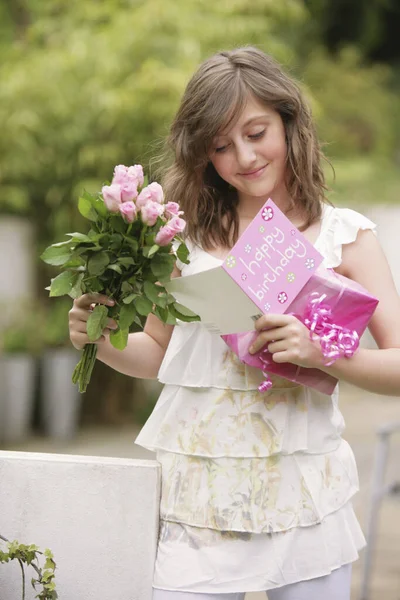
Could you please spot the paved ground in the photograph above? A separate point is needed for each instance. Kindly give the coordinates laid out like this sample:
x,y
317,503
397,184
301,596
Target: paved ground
x,y
363,413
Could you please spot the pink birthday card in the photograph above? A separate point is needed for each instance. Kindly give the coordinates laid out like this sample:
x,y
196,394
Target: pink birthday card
x,y
264,272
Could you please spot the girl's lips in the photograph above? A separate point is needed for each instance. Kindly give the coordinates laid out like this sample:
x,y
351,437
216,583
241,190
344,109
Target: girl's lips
x,y
253,174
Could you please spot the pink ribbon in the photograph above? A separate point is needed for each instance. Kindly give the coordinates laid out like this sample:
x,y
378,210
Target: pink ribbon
x,y
336,341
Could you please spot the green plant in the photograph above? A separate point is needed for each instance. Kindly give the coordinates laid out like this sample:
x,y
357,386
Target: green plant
x,y
24,334
30,556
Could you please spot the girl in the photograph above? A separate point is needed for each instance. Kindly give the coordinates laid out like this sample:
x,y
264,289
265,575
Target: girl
x,y
256,487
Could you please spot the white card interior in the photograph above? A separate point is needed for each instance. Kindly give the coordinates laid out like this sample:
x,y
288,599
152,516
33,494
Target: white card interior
x,y
221,304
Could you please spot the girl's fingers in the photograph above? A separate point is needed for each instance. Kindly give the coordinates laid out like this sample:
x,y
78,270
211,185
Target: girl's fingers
x,y
265,337
87,300
272,321
280,346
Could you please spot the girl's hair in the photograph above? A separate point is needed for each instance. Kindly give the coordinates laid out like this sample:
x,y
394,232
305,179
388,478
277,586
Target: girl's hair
x,y
213,99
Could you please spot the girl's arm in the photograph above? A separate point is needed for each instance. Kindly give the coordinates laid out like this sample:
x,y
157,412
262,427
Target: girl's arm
x,y
144,352
375,370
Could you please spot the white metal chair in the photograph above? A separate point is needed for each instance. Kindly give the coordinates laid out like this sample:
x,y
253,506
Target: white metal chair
x,y
378,492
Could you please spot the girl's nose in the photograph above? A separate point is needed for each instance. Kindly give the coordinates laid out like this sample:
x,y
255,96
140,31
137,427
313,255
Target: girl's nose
x,y
246,156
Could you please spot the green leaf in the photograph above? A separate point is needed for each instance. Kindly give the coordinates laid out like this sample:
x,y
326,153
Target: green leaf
x,y
149,251
96,322
79,237
94,285
97,263
165,316
56,255
126,261
119,338
116,241
130,298
74,263
63,283
116,268
162,265
118,224
76,289
134,244
182,313
152,290
143,305
86,209
183,253
126,316
126,287
153,250
98,203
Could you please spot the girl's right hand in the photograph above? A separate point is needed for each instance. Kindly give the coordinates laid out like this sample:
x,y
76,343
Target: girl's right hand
x,y
78,316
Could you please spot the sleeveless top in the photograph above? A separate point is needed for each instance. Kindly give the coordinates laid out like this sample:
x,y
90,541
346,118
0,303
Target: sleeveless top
x,y
255,485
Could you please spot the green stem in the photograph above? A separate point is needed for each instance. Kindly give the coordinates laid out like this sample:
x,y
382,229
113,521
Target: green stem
x,y
83,370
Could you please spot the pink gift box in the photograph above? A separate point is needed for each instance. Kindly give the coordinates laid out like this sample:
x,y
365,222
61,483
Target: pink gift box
x,y
351,309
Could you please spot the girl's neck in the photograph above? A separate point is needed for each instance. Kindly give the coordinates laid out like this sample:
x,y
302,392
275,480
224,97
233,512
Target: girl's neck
x,y
249,206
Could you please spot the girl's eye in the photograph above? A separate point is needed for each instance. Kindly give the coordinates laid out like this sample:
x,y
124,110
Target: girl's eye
x,y
221,149
257,136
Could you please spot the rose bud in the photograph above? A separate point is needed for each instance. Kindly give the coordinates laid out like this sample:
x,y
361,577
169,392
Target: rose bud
x,y
128,211
112,196
151,211
153,192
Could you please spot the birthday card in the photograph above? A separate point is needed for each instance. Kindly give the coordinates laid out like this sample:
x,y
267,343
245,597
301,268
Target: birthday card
x,y
264,272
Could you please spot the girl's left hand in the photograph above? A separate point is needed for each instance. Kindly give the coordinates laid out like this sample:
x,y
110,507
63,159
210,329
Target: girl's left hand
x,y
288,340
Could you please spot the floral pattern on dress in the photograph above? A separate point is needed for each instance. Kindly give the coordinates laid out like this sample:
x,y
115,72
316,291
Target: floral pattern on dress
x,y
261,495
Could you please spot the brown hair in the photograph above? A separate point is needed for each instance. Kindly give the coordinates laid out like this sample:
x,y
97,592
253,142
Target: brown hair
x,y
213,99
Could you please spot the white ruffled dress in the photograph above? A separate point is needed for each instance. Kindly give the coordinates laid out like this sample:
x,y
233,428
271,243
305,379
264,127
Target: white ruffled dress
x,y
256,487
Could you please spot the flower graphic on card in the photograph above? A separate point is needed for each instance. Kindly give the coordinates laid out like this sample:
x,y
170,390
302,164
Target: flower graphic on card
x,y
247,248
310,263
267,307
243,277
290,277
231,261
267,213
282,297
261,229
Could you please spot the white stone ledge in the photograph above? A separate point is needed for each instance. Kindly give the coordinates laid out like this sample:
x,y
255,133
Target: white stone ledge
x,y
98,515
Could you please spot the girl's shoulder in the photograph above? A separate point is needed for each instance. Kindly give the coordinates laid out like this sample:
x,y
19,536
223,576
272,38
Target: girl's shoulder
x,y
339,226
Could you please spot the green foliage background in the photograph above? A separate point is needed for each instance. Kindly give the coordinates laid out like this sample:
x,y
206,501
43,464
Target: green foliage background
x,y
86,85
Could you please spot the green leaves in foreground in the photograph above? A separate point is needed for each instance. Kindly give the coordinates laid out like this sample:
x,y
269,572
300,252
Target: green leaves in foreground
x,y
96,322
31,556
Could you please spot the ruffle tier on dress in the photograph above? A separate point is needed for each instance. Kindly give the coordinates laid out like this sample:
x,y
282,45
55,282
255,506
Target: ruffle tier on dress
x,y
256,487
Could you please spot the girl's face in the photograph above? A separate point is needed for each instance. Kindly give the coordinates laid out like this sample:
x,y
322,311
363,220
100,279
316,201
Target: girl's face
x,y
251,155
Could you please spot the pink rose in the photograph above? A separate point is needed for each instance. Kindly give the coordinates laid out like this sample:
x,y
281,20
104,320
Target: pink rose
x,y
169,231
120,174
112,196
172,210
135,174
151,211
128,211
153,192
128,191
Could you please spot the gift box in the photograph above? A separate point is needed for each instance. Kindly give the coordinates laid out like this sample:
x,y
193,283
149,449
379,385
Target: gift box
x,y
334,308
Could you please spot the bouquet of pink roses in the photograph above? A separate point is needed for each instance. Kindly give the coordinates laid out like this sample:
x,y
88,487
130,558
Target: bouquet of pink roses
x,y
127,254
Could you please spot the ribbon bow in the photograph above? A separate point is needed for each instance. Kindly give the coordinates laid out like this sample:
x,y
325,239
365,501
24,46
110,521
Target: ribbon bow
x,y
336,341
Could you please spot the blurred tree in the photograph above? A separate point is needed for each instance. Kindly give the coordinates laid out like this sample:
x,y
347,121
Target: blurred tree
x,y
87,85
371,25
